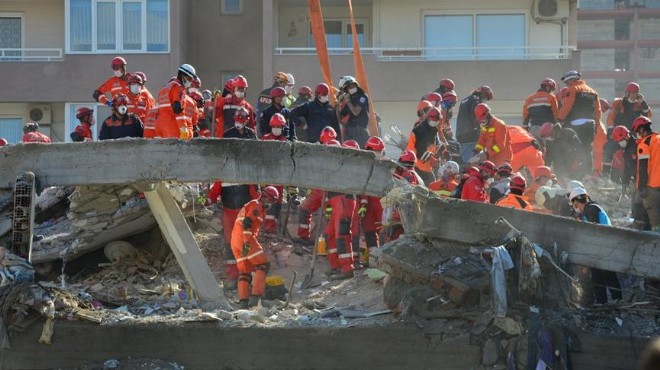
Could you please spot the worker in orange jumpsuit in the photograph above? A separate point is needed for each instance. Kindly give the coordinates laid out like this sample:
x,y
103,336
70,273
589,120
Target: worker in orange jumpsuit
x,y
515,198
426,142
474,188
144,91
543,176
370,211
447,181
648,170
115,85
525,149
139,102
405,171
624,110
277,125
171,120
422,109
494,143
31,134
83,132
540,107
252,263
226,107
199,100
191,112
581,112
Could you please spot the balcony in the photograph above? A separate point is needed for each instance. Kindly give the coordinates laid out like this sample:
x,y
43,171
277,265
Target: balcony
x,y
31,55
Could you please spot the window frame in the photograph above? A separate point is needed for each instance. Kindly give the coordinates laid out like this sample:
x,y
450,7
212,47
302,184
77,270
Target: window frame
x,y
22,18
345,24
119,29
224,11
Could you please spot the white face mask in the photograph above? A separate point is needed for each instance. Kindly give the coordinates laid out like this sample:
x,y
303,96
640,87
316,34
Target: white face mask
x,y
239,125
192,90
187,83
122,109
490,180
623,143
352,90
239,94
323,99
135,89
276,131
287,89
577,210
118,73
433,123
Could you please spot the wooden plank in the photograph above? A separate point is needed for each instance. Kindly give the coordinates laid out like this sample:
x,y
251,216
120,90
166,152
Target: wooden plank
x,y
200,160
183,244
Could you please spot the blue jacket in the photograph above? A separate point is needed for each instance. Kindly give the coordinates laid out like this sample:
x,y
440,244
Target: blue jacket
x,y
318,116
595,213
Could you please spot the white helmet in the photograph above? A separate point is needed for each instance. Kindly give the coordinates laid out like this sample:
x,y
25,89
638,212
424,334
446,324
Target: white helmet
x,y
540,196
188,70
449,168
574,184
571,75
576,193
290,79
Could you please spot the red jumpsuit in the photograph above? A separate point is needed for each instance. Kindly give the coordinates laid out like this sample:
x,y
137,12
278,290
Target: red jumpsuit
x,y
524,152
224,114
35,137
83,132
395,229
273,214
372,220
312,202
340,241
474,189
248,252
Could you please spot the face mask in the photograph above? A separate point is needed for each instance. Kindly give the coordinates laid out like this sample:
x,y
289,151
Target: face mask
x,y
192,90
122,109
287,89
135,89
577,210
277,131
239,94
239,125
118,73
323,99
352,90
490,180
433,123
187,83
632,100
623,143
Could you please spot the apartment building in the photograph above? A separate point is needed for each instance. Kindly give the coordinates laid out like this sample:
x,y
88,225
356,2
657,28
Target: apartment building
x,y
54,53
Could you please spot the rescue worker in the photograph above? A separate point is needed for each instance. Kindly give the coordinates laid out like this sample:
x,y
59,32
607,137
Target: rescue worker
x,y
354,111
356,221
227,89
191,111
288,89
562,148
500,187
226,107
648,170
277,125
31,134
170,118
448,101
422,109
280,80
525,149
139,102
305,95
277,96
313,116
434,98
624,110
115,85
198,98
475,187
83,132
467,125
625,158
540,107
240,129
445,85
405,171
341,208
543,176
515,198
370,211
493,144
144,91
426,143
446,183
552,200
580,111
120,123
252,263
588,210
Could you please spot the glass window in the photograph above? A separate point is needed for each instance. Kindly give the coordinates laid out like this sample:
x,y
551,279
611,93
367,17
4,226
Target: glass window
x,y
101,112
158,25
500,36
106,30
10,37
132,30
338,33
360,34
11,129
80,25
231,7
458,46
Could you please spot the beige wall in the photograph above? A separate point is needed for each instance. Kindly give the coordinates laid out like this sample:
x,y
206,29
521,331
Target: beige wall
x,y
43,21
55,130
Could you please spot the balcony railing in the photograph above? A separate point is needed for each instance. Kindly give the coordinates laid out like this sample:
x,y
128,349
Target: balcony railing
x,y
448,53
31,55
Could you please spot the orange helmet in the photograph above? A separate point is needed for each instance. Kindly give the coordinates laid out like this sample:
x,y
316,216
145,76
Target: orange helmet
x,y
447,84
546,129
543,171
434,114
351,144
549,82
423,105
620,133
281,77
518,182
374,143
328,133
481,111
408,158
270,192
241,115
489,167
640,121
118,62
277,120
332,142
277,92
632,87
83,111
322,89
434,98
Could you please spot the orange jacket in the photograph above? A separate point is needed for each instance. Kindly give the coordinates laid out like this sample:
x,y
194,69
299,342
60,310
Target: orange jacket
x,y
539,108
574,88
191,112
35,137
139,105
168,123
248,222
648,160
514,201
495,139
598,146
618,113
443,188
113,86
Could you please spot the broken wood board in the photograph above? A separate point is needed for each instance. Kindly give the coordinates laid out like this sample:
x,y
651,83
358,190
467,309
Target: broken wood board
x,y
199,160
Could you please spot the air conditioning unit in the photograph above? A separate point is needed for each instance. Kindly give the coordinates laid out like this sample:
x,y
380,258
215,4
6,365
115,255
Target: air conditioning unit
x,y
545,9
40,113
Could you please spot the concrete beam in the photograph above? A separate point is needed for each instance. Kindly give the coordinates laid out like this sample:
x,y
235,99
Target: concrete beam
x,y
183,244
199,160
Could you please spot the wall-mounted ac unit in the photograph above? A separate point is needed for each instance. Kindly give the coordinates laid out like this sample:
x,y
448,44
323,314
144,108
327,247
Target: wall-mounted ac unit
x,y
40,113
545,9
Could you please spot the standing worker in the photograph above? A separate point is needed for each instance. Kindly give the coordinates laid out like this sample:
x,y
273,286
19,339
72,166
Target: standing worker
x,y
317,114
226,107
624,110
277,95
425,142
370,210
281,79
515,198
240,129
139,101
467,124
115,85
493,144
648,170
171,118
83,132
121,123
354,111
31,134
277,124
540,107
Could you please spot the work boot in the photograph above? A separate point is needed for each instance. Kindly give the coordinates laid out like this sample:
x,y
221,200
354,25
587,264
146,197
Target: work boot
x,y
230,284
254,300
342,275
332,272
243,304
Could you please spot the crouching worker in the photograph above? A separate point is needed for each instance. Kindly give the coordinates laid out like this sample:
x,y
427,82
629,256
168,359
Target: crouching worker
x,y
250,258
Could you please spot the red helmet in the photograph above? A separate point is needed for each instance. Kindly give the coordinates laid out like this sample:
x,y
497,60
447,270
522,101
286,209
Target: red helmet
x,y
632,87
434,113
196,83
277,92
620,133
447,84
322,89
640,122
374,143
142,76
434,98
118,62
489,167
450,96
546,129
240,81
604,105
305,90
481,111
408,158
351,144
544,171
518,182
561,95
505,168
423,105
328,133
229,84
332,142
197,96
549,82
277,120
241,115
135,79
83,111
3,141
472,171
270,192
120,99
486,92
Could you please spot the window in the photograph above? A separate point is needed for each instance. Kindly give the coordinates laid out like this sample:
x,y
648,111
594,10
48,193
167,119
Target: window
x,y
231,7
11,35
475,36
11,129
227,75
117,26
101,112
338,33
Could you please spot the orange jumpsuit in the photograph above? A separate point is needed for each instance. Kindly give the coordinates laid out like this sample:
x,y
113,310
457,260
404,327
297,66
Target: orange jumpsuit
x,y
35,137
514,201
139,105
191,112
443,188
600,139
539,108
113,86
168,123
495,139
248,252
524,153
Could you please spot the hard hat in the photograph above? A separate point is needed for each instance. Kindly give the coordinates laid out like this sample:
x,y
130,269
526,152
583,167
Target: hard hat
x,y
142,76
240,81
408,158
620,133
281,77
518,182
289,79
322,89
505,168
241,115
351,144
549,82
305,90
270,192
31,126
328,133
632,87
544,171
277,92
574,184
118,62
83,111
120,99
447,84
434,98
472,171
575,193
450,96
539,197
481,111
489,167
434,114
604,105
332,142
486,92
546,129
197,96
450,168
374,143
571,75
196,83
561,95
423,105
229,84
187,70
640,122
135,79
347,80
3,141
277,120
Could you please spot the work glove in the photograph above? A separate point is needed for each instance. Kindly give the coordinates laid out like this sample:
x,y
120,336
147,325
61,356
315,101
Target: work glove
x,y
362,211
109,103
328,211
183,133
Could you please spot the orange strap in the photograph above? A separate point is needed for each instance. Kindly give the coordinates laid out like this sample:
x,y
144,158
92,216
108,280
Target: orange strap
x,y
318,31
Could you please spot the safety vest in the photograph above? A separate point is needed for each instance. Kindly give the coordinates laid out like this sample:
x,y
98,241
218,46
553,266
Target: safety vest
x,y
625,112
648,156
538,108
166,115
583,107
513,201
